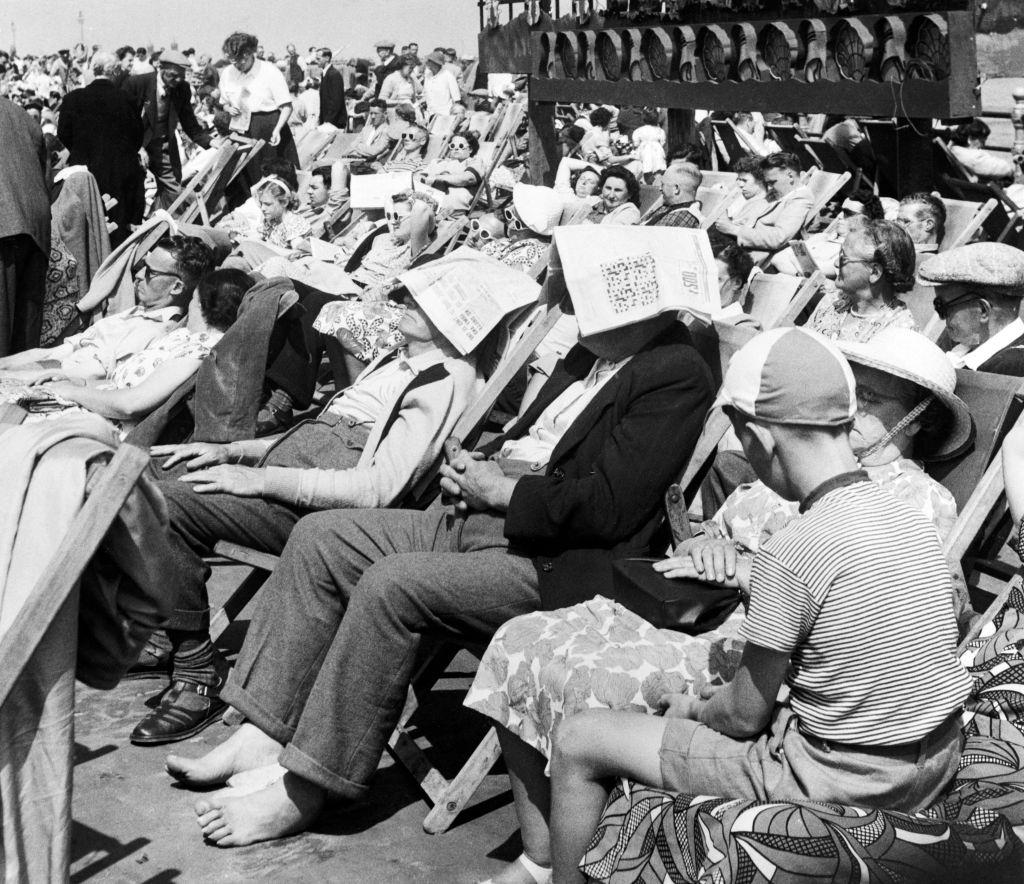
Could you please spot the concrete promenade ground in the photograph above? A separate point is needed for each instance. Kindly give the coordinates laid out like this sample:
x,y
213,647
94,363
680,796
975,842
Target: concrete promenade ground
x,y
132,825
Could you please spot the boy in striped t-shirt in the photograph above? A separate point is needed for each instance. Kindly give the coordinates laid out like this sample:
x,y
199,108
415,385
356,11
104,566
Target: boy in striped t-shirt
x,y
851,607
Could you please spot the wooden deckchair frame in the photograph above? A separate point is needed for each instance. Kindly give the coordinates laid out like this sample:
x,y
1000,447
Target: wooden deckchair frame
x,y
964,218
61,576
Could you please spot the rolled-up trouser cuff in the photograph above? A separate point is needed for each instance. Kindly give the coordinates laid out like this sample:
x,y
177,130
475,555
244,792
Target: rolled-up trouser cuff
x,y
300,764
189,621
244,702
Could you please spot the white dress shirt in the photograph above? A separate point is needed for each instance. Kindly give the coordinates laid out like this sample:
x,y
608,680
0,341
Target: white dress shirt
x,y
549,428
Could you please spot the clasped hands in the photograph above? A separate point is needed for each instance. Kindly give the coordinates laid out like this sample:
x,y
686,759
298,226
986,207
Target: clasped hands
x,y
209,471
475,483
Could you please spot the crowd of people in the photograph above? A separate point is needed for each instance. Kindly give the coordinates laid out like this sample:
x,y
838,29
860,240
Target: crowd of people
x,y
819,516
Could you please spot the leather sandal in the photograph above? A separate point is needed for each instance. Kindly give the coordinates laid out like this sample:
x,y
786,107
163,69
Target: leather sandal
x,y
174,720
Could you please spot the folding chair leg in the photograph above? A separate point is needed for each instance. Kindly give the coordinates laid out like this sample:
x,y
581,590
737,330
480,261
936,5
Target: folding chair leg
x,y
456,795
239,599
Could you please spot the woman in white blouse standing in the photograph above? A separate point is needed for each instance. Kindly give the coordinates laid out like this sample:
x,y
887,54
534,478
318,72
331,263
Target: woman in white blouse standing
x,y
256,95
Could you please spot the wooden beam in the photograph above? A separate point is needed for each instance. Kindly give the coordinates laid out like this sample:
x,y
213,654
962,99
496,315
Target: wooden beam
x,y
543,144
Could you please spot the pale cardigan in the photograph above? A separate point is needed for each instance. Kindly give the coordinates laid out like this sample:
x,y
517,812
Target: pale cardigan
x,y
390,464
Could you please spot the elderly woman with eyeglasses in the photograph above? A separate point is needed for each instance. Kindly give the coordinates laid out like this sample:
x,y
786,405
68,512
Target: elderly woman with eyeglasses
x,y
876,264
255,94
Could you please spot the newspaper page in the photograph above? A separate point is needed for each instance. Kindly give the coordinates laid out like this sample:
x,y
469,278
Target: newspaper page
x,y
375,191
617,275
466,294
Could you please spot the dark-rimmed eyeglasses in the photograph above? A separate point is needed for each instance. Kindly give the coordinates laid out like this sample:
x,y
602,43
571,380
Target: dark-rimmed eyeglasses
x,y
843,260
150,273
944,308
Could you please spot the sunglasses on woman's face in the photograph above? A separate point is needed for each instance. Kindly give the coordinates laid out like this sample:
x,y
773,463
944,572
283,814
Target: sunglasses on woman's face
x,y
512,220
410,136
481,233
394,217
459,145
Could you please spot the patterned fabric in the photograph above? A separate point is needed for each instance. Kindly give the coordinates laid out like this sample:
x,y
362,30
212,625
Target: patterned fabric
x,y
648,835
651,836
521,254
540,668
835,319
382,263
753,512
673,216
62,294
366,329
291,227
179,344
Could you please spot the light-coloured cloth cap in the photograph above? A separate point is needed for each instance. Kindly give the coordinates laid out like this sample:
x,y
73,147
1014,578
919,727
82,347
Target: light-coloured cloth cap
x,y
791,376
908,354
539,207
980,263
172,56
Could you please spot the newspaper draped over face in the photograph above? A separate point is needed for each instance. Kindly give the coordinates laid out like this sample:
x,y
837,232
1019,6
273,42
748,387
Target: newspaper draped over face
x,y
466,294
618,275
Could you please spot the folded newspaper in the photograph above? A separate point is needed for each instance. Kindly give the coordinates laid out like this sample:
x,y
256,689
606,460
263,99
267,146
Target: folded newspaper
x,y
618,275
466,294
375,191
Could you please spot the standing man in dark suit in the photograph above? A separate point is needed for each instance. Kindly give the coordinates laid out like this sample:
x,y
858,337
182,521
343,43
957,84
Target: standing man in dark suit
x,y
332,92
100,126
164,100
389,63
24,229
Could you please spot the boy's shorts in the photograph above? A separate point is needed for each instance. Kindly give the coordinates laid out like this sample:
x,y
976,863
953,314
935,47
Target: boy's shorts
x,y
784,764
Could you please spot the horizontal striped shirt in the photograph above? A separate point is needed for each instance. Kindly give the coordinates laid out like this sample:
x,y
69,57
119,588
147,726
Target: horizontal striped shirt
x,y
858,593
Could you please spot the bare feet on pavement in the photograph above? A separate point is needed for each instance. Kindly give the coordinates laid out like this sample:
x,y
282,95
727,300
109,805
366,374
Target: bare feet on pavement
x,y
285,807
245,749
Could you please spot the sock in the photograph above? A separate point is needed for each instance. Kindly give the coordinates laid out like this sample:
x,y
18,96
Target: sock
x,y
195,658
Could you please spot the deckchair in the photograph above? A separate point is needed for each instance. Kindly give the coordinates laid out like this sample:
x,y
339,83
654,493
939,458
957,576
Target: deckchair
x,y
964,218
835,159
1005,223
721,180
946,162
776,299
726,142
824,186
192,199
714,201
787,136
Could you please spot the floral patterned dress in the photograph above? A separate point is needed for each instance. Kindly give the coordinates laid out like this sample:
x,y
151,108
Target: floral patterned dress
x,y
838,321
542,667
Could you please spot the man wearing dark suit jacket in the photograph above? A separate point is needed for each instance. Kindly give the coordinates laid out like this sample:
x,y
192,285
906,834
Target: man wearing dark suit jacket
x,y
332,93
164,100
578,482
100,126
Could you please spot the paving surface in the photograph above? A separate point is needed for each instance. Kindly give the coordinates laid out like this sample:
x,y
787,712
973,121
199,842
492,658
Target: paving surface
x,y
132,825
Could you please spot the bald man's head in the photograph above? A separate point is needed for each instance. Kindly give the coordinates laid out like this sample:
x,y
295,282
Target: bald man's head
x,y
679,183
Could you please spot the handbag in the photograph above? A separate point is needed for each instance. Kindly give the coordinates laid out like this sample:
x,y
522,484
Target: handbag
x,y
689,606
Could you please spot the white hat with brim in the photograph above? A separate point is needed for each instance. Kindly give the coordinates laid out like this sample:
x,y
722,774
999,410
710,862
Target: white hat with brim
x,y
539,207
909,355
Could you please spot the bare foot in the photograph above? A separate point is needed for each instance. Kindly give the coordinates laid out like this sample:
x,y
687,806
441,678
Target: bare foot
x,y
245,749
286,806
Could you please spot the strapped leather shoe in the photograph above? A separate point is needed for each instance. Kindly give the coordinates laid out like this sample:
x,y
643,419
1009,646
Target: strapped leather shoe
x,y
184,710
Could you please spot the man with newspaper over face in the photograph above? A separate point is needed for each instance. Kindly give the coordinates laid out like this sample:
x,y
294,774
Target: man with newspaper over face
x,y
537,518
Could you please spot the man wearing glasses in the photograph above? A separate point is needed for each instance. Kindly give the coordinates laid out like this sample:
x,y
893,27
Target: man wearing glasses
x,y
164,100
978,290
164,282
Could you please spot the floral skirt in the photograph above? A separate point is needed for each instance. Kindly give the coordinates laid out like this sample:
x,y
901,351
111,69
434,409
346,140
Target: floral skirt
x,y
364,328
540,668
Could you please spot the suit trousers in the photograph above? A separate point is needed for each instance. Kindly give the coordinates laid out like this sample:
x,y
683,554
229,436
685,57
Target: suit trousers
x,y
22,292
168,184
326,665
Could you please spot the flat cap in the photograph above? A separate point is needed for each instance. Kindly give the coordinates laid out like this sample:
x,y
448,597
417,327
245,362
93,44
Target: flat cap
x,y
981,263
173,56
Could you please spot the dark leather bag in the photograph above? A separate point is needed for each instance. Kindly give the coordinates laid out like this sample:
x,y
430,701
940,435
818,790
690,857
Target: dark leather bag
x,y
689,606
